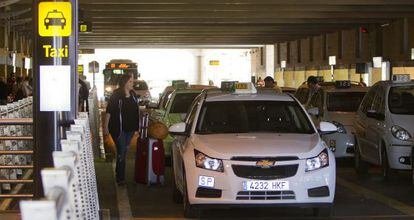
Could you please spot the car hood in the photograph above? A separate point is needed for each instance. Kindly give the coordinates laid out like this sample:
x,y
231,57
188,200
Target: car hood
x,y
226,146
404,121
345,118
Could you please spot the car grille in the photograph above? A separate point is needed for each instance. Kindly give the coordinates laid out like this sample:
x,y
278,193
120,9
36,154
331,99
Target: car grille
x,y
265,195
285,158
271,173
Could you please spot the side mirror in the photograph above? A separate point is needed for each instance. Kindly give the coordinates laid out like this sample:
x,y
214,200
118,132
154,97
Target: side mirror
x,y
327,128
178,129
313,111
376,115
152,105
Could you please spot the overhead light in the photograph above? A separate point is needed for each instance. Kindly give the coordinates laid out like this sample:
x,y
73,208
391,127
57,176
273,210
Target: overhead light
x,y
385,25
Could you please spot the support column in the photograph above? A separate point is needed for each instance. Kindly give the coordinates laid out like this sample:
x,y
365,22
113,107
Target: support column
x,y
270,60
199,68
3,52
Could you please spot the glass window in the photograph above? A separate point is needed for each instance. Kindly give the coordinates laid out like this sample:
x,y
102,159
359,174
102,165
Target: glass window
x,y
368,99
344,101
401,100
379,102
253,116
182,102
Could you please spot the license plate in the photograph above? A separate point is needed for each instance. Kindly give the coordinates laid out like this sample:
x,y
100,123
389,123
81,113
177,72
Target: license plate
x,y
206,181
262,185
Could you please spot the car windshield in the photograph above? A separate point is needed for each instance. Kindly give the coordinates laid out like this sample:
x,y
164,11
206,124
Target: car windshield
x,y
182,102
344,101
401,100
253,116
141,85
54,15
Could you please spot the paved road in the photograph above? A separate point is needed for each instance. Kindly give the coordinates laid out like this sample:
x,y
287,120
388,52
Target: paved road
x,y
356,198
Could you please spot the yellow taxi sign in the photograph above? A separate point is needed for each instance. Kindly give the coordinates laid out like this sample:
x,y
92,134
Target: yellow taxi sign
x,y
80,69
214,62
55,19
245,88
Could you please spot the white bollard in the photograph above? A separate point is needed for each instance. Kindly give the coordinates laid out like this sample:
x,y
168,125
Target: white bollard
x,y
56,187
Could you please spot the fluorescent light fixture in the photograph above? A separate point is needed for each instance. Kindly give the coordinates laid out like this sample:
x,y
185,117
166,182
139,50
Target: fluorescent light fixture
x,y
27,63
412,53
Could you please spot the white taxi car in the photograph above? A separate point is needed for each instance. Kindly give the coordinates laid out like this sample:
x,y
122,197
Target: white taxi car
x,y
249,149
341,100
385,126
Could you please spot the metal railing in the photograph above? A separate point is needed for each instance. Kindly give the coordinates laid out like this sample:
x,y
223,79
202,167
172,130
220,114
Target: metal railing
x,y
16,152
70,187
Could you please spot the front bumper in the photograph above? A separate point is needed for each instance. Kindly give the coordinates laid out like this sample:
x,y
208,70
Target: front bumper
x,y
399,156
232,193
341,144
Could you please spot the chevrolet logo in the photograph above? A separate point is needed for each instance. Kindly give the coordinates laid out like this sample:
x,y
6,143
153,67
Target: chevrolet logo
x,y
265,163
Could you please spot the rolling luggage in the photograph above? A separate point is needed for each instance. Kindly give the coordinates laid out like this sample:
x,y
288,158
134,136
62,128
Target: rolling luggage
x,y
150,157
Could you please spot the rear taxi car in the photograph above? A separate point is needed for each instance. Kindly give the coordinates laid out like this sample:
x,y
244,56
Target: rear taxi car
x,y
385,126
175,111
249,149
340,103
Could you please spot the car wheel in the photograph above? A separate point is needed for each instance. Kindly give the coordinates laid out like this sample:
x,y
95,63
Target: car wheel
x,y
323,212
176,194
387,172
189,210
361,167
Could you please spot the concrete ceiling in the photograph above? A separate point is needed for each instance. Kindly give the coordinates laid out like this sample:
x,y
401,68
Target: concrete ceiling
x,y
129,23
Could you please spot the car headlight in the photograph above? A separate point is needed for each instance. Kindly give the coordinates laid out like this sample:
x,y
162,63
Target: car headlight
x,y
318,162
341,127
400,133
205,162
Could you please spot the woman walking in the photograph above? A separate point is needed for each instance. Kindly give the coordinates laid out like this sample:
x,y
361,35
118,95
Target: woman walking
x,y
122,121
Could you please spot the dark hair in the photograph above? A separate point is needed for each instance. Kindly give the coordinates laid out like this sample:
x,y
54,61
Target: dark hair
x,y
124,79
312,79
269,79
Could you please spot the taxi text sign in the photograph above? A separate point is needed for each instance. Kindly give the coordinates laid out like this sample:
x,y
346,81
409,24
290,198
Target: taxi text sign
x,y
55,19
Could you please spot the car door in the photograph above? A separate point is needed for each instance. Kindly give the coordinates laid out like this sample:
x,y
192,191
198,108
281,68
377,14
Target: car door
x,y
180,143
375,127
360,122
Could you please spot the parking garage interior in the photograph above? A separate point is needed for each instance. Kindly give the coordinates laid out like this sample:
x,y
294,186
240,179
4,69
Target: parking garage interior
x,y
223,40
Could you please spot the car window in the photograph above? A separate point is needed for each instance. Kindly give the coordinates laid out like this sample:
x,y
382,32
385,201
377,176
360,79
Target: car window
x,y
368,99
192,113
253,116
344,101
182,102
302,94
378,104
401,100
141,85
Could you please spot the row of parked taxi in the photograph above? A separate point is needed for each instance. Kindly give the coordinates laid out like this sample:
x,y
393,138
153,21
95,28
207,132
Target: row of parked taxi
x,y
240,146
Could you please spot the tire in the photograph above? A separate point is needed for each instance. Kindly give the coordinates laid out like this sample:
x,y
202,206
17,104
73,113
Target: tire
x,y
387,172
361,167
189,210
176,194
323,212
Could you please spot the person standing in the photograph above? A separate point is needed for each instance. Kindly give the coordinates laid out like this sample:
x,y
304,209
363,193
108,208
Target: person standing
x,y
122,121
316,95
269,83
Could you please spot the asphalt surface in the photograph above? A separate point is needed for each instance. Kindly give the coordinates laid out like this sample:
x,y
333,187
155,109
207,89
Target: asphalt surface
x,y
356,197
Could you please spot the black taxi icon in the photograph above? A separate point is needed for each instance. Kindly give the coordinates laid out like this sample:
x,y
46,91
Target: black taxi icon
x,y
55,18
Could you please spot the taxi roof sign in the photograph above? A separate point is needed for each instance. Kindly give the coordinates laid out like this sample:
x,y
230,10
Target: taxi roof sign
x,y
238,88
343,84
401,78
179,84
55,19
